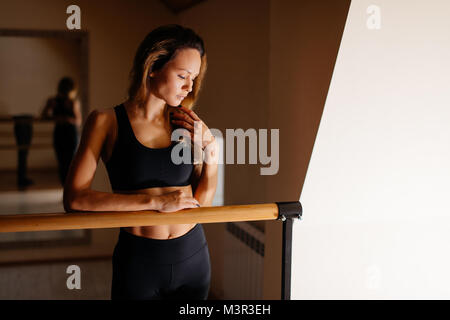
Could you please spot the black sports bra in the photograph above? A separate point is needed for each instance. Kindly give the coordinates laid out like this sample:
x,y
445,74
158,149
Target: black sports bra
x,y
63,107
134,166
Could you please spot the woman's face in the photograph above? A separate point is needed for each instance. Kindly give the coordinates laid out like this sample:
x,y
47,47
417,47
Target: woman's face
x,y
175,80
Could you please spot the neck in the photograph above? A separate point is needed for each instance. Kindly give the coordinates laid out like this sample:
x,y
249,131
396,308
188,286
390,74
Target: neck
x,y
153,110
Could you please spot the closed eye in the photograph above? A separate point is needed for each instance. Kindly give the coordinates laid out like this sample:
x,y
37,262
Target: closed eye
x,y
185,78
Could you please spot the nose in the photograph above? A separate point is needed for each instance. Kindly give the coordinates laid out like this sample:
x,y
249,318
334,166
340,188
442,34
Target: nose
x,y
190,85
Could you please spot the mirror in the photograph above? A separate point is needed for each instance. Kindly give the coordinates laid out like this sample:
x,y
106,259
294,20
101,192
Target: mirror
x,y
33,64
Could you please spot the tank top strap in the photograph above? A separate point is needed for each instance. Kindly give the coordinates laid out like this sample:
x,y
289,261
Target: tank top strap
x,y
124,130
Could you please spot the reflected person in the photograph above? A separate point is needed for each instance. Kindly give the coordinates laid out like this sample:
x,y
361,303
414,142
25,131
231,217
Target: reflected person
x,y
65,109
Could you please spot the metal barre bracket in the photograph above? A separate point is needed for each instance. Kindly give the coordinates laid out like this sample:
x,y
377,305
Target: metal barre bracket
x,y
289,210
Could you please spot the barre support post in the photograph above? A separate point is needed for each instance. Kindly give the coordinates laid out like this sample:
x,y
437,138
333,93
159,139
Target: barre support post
x,y
287,211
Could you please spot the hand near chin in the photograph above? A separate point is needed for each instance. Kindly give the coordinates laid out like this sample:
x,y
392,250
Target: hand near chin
x,y
188,119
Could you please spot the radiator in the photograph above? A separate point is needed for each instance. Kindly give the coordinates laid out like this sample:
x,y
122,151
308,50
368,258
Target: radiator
x,y
243,262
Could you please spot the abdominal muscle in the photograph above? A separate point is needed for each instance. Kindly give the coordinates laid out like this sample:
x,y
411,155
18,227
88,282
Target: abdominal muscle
x,y
161,232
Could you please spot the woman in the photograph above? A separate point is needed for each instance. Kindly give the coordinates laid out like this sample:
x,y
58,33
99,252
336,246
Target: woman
x,y
65,110
134,141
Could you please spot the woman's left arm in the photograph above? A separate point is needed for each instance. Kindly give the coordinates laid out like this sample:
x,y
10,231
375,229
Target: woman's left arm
x,y
204,177
77,112
207,182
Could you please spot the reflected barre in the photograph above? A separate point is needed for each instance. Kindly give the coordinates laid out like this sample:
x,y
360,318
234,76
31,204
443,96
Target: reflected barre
x,y
26,146
10,118
27,122
115,219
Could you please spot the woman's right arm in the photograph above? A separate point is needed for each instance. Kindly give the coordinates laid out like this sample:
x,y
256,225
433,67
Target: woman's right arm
x,y
78,195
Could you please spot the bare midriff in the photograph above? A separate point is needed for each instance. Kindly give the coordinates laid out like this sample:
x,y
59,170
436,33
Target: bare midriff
x,y
161,232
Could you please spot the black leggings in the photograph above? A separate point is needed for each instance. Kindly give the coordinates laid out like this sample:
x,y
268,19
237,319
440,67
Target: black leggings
x,y
23,130
153,269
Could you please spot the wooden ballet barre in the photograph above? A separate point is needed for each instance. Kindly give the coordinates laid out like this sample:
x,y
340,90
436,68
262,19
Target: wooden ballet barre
x,y
116,219
10,134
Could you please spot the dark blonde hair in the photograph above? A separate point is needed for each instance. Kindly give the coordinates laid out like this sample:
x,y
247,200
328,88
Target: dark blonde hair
x,y
159,47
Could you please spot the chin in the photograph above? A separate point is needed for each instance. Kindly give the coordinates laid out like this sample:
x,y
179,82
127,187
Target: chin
x,y
173,103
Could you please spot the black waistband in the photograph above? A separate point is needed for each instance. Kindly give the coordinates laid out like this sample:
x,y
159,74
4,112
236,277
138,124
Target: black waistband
x,y
163,251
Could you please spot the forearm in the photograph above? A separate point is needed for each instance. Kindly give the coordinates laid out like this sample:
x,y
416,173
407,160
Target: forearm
x,y
91,200
207,184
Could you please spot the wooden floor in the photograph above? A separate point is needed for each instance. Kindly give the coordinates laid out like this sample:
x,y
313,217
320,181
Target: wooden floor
x,y
49,281
43,179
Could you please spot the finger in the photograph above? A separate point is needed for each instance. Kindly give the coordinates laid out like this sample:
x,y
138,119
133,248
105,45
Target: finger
x,y
193,200
184,124
190,112
191,204
193,123
199,124
182,116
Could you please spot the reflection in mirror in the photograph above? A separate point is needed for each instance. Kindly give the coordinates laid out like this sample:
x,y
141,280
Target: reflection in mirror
x,y
41,97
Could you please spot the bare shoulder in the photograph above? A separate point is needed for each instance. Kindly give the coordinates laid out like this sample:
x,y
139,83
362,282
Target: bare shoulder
x,y
101,128
99,125
101,117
